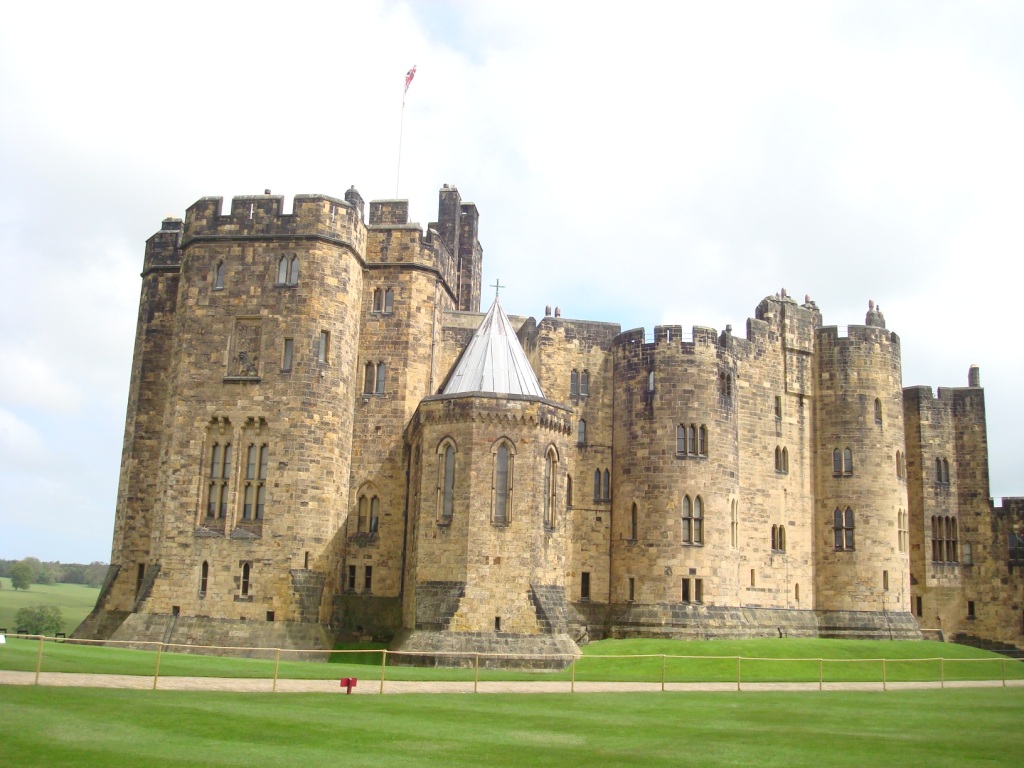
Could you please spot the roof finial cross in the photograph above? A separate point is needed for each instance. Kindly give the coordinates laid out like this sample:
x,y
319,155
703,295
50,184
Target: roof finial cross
x,y
497,286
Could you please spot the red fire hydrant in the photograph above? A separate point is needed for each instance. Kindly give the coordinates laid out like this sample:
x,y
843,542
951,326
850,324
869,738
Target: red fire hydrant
x,y
348,683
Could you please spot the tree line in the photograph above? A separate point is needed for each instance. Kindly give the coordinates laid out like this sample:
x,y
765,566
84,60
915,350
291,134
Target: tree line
x,y
31,570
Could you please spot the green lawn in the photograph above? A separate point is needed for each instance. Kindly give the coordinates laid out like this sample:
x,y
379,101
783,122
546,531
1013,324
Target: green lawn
x,y
74,600
776,660
91,727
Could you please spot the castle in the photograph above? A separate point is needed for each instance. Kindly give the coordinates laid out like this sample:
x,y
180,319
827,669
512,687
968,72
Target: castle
x,y
326,439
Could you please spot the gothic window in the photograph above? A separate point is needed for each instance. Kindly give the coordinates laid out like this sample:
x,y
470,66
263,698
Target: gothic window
x,y
550,465
446,486
878,411
837,462
502,489
734,525
389,301
702,441
218,276
778,538
568,490
293,271
597,485
650,381
607,486
691,439
363,509
220,477
938,470
381,372
246,573
282,270
584,383
966,555
374,514
378,300
254,500
369,378
945,540
847,462
693,520
781,459
945,472
633,523
204,578
681,439
574,382
843,525
323,347
289,352
902,534
581,436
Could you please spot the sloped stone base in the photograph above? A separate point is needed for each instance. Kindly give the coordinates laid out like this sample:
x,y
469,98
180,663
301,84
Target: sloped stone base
x,y
250,639
458,649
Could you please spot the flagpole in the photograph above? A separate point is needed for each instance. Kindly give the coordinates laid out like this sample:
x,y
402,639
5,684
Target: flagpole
x,y
401,126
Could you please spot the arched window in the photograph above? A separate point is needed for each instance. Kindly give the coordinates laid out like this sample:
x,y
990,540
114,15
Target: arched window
x,y
363,514
843,525
650,381
938,470
574,382
219,483
446,471
581,436
584,383
968,556
597,485
782,538
389,301
550,465
633,523
246,570
293,271
374,514
607,486
734,526
785,459
369,378
381,372
837,462
204,577
945,471
878,411
503,460
681,439
254,498
218,276
693,520
568,490
847,462
778,459
702,441
282,270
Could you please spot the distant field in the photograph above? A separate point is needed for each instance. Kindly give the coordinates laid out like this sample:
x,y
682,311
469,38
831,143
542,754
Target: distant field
x,y
74,600
777,660
952,728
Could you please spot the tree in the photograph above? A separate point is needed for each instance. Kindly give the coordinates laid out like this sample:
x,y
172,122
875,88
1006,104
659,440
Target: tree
x,y
40,619
21,575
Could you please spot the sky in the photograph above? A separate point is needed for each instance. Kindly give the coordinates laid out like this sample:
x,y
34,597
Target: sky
x,y
644,164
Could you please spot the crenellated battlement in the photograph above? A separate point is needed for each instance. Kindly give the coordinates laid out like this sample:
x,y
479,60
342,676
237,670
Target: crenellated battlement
x,y
261,216
855,335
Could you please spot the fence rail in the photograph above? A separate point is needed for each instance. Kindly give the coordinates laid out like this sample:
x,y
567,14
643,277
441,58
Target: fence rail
x,y
656,669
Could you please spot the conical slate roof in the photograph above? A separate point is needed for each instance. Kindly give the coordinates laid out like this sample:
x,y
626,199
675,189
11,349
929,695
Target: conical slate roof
x,y
494,361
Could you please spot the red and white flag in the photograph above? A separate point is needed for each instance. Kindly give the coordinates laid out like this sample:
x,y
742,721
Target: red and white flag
x,y
409,76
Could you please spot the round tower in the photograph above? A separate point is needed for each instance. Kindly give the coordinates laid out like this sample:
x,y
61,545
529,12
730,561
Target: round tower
x,y
675,486
862,566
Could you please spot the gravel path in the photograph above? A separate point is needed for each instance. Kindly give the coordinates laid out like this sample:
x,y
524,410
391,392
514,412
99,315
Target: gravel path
x,y
368,686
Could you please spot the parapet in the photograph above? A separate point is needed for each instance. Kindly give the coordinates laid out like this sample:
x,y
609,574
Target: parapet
x,y
261,216
162,249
